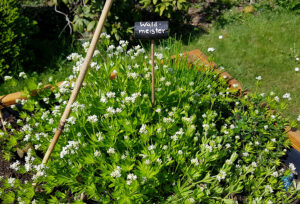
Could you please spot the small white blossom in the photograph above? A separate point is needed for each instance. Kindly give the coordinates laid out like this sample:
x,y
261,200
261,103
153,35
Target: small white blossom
x,y
22,75
275,174
97,153
143,129
287,96
11,181
292,167
92,119
111,94
111,150
221,175
268,189
151,147
210,49
195,161
258,78
116,173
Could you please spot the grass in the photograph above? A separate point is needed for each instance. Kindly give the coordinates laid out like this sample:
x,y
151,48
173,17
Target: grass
x,y
264,45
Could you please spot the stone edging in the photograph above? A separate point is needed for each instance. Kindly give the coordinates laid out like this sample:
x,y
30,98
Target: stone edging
x,y
194,56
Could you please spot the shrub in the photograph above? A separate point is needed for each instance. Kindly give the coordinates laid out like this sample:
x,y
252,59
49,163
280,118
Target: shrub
x,y
14,29
85,14
201,143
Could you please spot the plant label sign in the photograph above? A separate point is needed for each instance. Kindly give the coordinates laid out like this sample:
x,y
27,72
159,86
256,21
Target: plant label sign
x,y
151,29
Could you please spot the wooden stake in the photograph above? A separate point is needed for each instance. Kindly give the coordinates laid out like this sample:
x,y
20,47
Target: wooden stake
x,y
79,81
153,79
2,121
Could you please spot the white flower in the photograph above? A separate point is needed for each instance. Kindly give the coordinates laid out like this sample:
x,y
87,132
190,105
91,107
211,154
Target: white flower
x,y
174,138
143,129
210,49
191,83
276,98
191,200
158,110
168,120
71,120
116,173
111,150
165,147
298,118
297,69
287,96
159,55
6,78
92,119
131,177
292,167
227,145
15,166
273,140
221,175
245,154
103,99
133,75
266,127
297,58
275,174
151,147
11,181
22,75
268,188
195,161
180,152
97,153
209,147
147,162
220,37
168,83
258,78
111,110
158,160
110,94
74,56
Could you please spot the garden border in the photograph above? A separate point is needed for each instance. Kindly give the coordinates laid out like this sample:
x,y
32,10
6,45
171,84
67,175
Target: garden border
x,y
195,56
293,133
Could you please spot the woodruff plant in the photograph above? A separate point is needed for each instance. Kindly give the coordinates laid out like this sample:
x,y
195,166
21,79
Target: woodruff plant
x,y
201,143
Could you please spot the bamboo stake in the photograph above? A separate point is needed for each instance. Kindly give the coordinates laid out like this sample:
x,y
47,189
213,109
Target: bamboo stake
x,y
153,79
79,81
2,121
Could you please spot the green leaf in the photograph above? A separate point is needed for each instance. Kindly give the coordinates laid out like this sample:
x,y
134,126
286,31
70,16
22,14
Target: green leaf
x,y
228,201
161,10
91,26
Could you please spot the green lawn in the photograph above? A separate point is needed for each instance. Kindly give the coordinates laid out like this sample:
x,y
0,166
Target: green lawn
x,y
265,45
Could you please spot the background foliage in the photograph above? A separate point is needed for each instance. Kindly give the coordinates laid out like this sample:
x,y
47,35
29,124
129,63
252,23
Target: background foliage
x,y
14,29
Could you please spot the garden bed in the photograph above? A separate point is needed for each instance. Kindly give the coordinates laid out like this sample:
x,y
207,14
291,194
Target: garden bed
x,y
201,143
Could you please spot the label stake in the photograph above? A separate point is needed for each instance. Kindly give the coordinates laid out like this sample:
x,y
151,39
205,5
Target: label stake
x,y
153,76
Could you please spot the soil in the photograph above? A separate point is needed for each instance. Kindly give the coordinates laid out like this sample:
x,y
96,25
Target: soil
x,y
10,116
